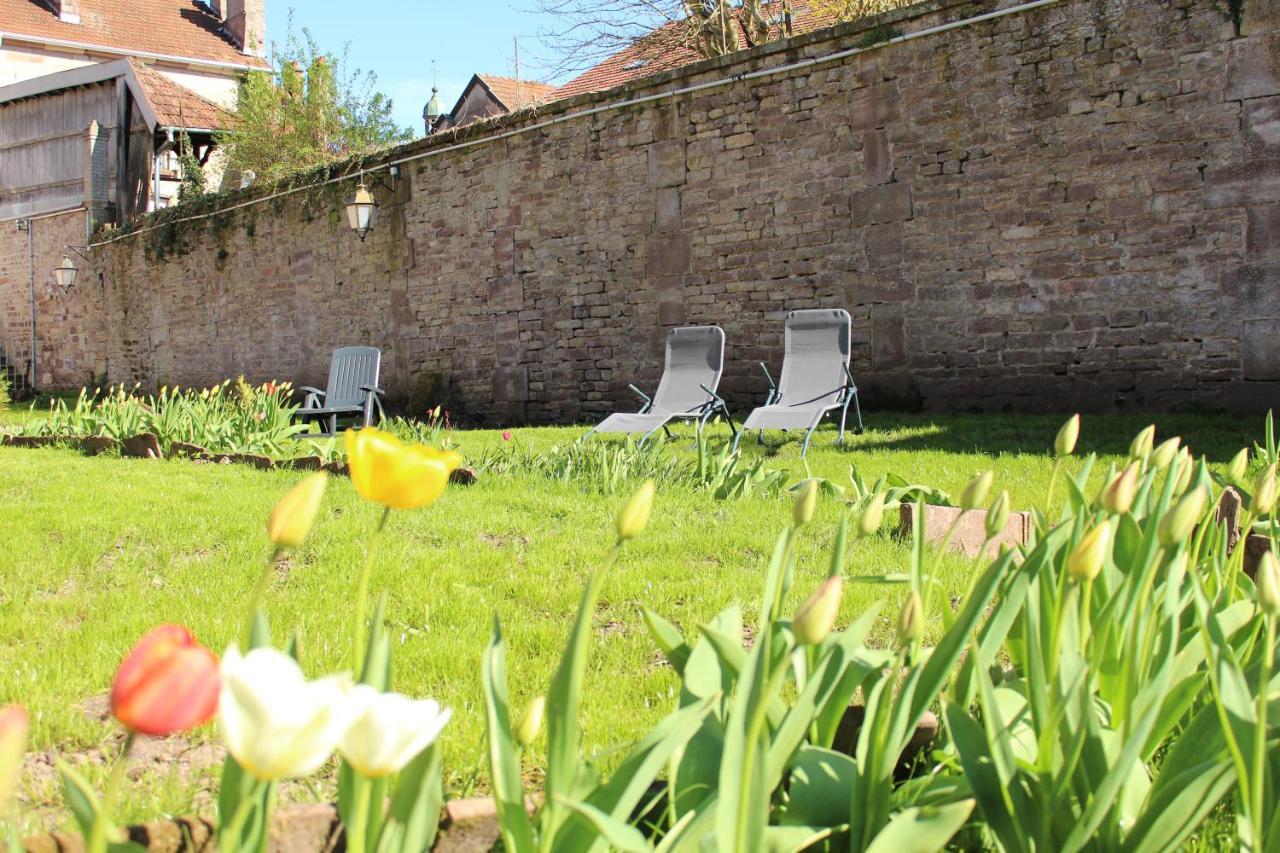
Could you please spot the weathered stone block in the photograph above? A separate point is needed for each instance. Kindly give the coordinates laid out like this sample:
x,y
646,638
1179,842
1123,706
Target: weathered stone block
x,y
1260,341
1253,67
890,203
511,384
970,530
877,157
667,165
668,255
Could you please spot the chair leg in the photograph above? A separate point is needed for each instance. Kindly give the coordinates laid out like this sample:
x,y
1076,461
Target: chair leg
x,y
728,417
645,439
857,410
587,434
737,438
844,413
807,436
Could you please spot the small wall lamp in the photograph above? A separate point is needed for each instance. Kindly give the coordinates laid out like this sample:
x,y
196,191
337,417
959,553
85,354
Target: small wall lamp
x,y
362,207
65,272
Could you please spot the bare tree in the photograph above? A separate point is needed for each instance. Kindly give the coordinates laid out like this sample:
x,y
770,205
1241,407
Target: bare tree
x,y
588,31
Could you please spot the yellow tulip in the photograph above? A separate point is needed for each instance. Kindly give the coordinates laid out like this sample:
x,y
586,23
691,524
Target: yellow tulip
x,y
1267,583
1085,561
975,494
1163,455
1142,442
291,520
531,721
1266,488
815,618
911,620
1179,522
635,515
805,505
1118,496
1236,467
998,515
872,515
387,471
1065,443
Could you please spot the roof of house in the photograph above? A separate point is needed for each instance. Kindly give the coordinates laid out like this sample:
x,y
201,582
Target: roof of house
x,y
176,105
163,102
670,46
514,94
177,28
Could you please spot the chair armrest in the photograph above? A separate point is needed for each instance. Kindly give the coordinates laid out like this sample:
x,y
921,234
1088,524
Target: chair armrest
x,y
767,377
648,402
848,375
369,389
715,398
311,390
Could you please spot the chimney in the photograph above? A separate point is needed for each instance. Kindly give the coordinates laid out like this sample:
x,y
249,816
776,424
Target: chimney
x,y
246,21
68,11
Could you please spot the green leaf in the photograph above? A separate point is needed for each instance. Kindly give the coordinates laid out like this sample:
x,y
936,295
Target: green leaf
x,y
923,829
413,816
620,835
989,788
80,796
504,761
821,784
564,699
669,640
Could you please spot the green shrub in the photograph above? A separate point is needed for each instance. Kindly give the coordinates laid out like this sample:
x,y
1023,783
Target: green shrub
x,y
5,399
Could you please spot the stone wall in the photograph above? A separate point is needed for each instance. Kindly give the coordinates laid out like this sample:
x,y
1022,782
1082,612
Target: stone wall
x,y
1075,206
70,343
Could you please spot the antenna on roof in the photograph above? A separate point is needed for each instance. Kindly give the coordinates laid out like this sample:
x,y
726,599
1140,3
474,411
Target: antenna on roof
x,y
519,95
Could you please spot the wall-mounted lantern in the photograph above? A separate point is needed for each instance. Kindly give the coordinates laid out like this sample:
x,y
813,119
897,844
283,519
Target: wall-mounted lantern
x,y
362,207
65,272
362,210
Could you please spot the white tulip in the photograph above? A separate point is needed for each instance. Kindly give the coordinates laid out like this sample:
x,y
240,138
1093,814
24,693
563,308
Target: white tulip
x,y
274,722
389,730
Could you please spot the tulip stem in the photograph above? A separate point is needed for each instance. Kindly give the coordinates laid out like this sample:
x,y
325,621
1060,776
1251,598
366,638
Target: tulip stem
x,y
355,835
102,819
362,596
259,593
1259,769
1053,481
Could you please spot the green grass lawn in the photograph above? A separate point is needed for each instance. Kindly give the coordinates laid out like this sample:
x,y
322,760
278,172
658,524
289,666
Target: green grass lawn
x,y
96,551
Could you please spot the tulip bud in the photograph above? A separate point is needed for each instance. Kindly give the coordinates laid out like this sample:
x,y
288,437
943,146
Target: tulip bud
x,y
531,721
13,743
291,520
1178,522
975,494
168,683
911,620
1236,467
806,503
872,515
998,515
813,621
1266,581
1118,495
1065,443
1085,561
1265,488
635,515
1163,455
1182,471
1141,445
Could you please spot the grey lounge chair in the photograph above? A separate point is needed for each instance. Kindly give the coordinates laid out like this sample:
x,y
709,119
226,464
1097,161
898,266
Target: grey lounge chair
x,y
690,376
352,390
815,376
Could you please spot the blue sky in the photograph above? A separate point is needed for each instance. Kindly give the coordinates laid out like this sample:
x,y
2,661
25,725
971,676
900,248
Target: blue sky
x,y
398,39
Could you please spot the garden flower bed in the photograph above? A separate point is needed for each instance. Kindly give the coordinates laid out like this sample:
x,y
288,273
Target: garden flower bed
x,y
1123,605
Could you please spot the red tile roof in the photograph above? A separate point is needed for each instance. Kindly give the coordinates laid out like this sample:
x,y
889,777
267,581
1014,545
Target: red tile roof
x,y
176,105
172,27
670,46
514,94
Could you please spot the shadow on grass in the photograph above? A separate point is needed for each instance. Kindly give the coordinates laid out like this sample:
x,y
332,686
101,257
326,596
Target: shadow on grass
x,y
1216,436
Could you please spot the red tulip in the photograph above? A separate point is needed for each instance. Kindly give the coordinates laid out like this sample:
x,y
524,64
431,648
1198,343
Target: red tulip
x,y
506,435
168,683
